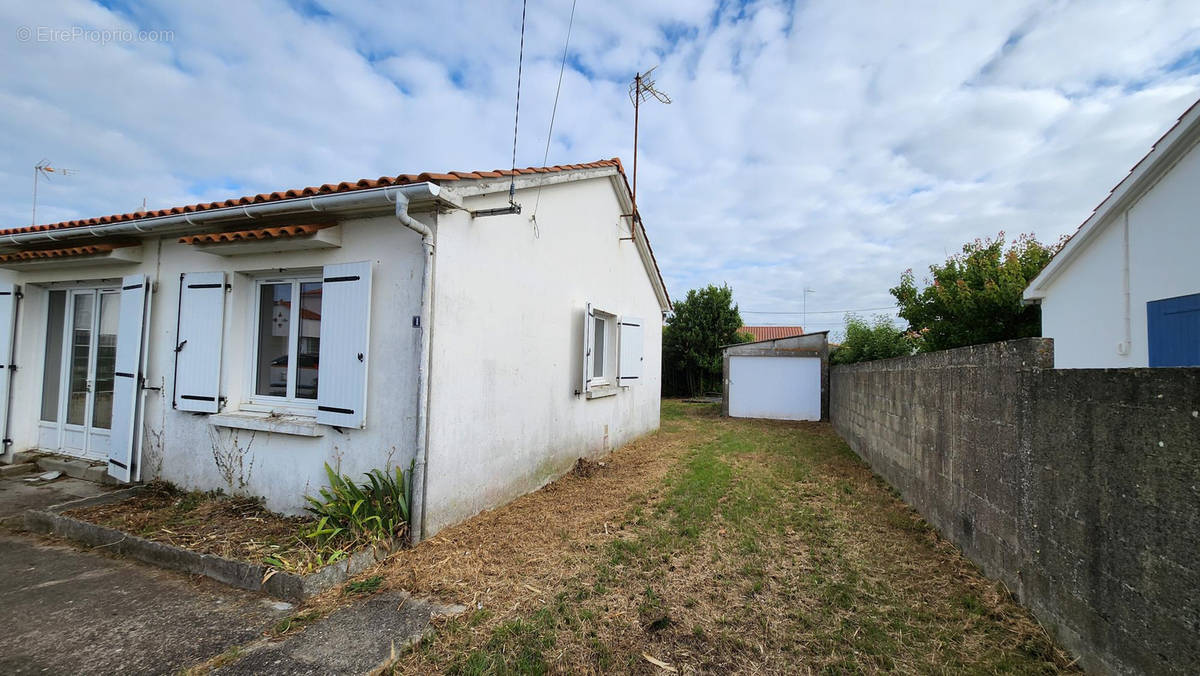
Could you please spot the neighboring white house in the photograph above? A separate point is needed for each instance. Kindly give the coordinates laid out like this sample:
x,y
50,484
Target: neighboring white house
x,y
241,345
1125,290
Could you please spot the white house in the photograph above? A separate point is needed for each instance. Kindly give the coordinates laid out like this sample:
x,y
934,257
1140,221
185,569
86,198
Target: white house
x,y
1125,290
241,345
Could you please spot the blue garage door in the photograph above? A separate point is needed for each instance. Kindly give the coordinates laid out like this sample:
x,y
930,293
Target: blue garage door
x,y
1173,327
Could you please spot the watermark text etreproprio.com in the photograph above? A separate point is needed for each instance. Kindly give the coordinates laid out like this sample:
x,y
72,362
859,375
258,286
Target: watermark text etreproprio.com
x,y
99,35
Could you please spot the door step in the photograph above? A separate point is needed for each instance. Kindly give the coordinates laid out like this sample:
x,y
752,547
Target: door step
x,y
79,469
21,457
19,468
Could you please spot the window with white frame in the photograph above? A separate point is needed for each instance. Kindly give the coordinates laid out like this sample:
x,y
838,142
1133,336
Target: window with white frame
x,y
601,347
612,352
600,350
287,340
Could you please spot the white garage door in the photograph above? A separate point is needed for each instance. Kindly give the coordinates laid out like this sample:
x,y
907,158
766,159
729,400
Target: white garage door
x,y
783,388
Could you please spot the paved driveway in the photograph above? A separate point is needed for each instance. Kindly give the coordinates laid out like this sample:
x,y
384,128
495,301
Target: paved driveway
x,y
65,610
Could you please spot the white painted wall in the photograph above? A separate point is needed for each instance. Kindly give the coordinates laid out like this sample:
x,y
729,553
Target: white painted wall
x,y
507,332
184,447
507,346
1083,310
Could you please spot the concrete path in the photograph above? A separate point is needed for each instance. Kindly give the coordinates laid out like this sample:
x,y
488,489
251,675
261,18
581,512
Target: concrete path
x,y
68,611
16,495
352,640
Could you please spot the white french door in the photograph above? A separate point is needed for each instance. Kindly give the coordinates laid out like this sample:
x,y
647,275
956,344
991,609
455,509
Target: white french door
x,y
88,365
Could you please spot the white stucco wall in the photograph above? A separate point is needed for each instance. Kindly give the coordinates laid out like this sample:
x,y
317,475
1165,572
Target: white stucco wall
x,y
184,447
507,346
1084,307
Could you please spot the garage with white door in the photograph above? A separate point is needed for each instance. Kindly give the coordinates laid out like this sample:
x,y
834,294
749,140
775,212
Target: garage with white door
x,y
780,379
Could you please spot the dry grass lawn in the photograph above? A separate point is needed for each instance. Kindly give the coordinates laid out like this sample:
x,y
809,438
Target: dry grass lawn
x,y
715,545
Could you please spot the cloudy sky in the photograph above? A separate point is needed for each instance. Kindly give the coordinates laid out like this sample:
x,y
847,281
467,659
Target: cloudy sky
x,y
822,144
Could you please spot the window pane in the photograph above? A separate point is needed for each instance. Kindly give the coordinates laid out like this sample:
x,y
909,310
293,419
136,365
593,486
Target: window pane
x,y
274,327
81,339
56,314
598,347
309,338
106,361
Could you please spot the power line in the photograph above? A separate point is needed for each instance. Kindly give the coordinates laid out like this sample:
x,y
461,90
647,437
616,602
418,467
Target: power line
x,y
553,112
517,116
818,312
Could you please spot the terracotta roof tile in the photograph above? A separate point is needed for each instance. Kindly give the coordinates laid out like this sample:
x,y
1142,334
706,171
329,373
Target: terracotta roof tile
x,y
256,234
66,252
345,186
772,332
400,179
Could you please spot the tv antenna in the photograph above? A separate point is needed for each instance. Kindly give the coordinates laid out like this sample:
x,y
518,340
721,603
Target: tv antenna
x,y
641,89
41,169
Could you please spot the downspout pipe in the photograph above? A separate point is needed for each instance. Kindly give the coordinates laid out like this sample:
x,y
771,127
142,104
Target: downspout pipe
x,y
421,458
10,370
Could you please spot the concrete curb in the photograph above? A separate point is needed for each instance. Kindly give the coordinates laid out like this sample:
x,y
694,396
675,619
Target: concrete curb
x,y
250,576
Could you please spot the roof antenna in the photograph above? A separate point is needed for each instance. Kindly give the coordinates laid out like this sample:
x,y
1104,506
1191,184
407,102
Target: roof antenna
x,y
641,89
513,207
40,169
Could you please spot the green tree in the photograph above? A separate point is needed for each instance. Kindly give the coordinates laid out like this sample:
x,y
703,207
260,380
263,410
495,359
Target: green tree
x,y
865,341
692,339
975,296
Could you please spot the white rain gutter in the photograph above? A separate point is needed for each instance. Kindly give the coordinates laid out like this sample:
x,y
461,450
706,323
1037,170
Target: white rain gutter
x,y
366,199
421,457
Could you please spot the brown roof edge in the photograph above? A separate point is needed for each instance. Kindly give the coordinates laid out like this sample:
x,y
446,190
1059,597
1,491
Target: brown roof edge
x,y
311,191
616,161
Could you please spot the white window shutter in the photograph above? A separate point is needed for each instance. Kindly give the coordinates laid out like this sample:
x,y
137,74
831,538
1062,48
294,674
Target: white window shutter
x,y
345,324
198,341
588,340
128,377
8,320
630,363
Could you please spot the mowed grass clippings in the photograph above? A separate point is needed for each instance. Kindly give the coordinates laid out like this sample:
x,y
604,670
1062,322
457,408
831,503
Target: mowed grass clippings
x,y
715,545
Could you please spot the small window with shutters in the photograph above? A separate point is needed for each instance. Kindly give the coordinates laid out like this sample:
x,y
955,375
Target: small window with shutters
x,y
599,349
299,324
612,352
287,341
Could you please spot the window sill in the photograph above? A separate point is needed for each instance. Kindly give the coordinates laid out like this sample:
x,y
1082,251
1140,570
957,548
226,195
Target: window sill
x,y
300,426
602,391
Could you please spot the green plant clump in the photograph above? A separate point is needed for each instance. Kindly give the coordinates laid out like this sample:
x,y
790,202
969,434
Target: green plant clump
x,y
372,512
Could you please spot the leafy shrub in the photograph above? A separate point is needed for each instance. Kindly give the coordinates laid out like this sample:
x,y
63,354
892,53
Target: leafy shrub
x,y
878,340
376,511
692,338
975,296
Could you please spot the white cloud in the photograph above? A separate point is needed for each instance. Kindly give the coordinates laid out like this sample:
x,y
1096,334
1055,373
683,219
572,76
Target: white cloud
x,y
829,145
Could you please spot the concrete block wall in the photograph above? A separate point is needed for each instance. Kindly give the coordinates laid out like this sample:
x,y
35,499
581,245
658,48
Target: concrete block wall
x,y
1080,489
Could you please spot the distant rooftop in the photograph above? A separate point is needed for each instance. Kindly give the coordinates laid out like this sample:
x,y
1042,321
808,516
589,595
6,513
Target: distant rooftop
x,y
772,332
